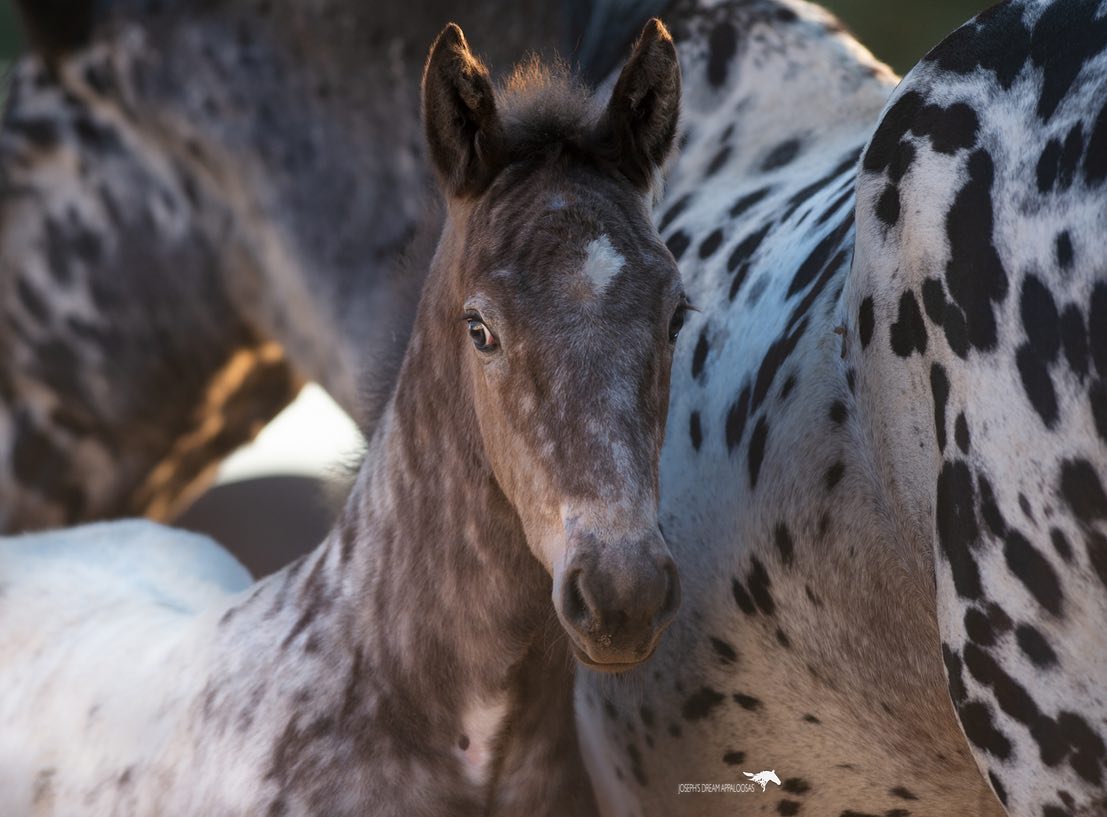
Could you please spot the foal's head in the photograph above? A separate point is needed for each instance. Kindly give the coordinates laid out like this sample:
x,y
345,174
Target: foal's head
x,y
564,304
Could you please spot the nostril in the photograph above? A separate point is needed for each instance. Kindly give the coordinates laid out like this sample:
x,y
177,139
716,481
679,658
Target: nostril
x,y
672,594
574,607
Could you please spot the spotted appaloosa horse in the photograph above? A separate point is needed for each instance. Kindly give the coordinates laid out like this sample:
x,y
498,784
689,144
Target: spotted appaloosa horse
x,y
413,663
883,477
979,279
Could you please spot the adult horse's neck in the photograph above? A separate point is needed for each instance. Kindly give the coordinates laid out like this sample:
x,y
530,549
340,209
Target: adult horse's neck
x,y
427,600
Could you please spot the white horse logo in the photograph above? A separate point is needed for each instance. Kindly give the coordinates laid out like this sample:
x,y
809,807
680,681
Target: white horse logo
x,y
764,778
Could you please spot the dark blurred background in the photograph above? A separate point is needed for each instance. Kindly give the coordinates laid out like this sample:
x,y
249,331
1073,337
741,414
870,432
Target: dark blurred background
x,y
898,32
10,39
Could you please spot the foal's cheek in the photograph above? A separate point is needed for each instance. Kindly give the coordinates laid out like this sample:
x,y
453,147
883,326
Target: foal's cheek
x,y
663,396
502,430
549,543
487,378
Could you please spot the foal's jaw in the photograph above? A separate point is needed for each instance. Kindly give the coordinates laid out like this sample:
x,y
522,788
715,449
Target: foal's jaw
x,y
615,587
614,618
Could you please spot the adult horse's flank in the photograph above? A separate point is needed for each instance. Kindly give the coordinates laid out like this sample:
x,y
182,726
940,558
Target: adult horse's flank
x,y
413,663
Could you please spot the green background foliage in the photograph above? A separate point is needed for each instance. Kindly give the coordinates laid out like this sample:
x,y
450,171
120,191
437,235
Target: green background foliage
x,y
10,35
898,32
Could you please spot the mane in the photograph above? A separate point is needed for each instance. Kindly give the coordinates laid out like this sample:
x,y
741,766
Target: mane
x,y
542,103
392,327
547,113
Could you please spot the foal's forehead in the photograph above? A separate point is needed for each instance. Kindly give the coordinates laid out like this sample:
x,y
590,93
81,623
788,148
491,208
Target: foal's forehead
x,y
582,238
585,263
561,198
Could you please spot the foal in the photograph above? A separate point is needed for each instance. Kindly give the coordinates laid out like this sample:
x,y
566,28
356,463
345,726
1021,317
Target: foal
x,y
413,663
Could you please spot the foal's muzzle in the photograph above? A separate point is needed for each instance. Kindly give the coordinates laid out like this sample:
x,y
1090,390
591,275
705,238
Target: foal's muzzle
x,y
615,599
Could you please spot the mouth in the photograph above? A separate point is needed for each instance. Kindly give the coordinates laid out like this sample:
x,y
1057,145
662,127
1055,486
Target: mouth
x,y
613,667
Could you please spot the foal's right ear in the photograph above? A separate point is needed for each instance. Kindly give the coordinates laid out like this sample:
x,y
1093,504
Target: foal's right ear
x,y
641,120
459,113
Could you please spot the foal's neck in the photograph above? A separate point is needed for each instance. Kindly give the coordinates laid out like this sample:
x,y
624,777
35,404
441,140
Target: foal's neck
x,y
442,552
428,581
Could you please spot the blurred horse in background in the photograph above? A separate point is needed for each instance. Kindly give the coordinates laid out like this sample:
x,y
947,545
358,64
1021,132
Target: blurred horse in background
x,y
203,206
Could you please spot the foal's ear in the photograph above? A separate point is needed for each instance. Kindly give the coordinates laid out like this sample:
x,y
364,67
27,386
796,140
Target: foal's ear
x,y
642,116
459,114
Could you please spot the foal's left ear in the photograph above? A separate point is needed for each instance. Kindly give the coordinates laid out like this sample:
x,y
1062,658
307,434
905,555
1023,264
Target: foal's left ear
x,y
642,116
459,113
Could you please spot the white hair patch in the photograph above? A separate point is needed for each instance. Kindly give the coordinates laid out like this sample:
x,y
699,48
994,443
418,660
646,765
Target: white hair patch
x,y
602,263
482,722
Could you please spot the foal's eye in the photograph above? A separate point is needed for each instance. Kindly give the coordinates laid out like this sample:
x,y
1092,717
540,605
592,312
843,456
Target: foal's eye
x,y
677,322
480,334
